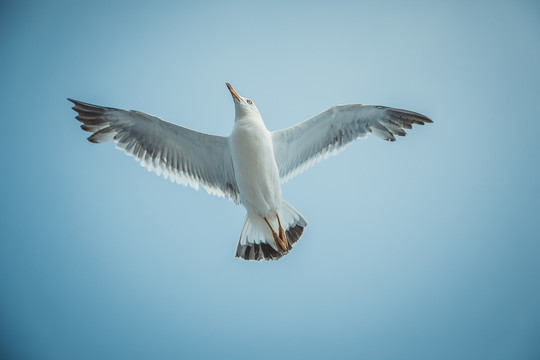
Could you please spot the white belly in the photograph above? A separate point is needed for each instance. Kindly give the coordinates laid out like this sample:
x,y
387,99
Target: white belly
x,y
256,171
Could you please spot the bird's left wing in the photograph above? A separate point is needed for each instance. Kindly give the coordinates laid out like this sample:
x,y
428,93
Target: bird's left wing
x,y
185,156
326,134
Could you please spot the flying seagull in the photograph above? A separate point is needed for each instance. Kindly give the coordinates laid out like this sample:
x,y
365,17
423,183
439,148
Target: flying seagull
x,y
249,166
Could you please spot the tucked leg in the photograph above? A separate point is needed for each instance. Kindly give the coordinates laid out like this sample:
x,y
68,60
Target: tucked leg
x,y
277,239
282,234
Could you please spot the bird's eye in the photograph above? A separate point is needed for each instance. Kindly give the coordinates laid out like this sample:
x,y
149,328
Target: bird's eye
x,y
249,101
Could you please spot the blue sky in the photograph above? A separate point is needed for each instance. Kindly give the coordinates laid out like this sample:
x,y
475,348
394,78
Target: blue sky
x,y
426,248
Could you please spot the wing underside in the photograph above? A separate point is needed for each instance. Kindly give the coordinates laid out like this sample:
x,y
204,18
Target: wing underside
x,y
182,155
326,134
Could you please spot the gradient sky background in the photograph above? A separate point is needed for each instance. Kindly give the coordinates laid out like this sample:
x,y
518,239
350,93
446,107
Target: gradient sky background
x,y
426,248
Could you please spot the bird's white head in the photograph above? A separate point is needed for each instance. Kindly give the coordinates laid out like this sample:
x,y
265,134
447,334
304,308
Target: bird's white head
x,y
243,106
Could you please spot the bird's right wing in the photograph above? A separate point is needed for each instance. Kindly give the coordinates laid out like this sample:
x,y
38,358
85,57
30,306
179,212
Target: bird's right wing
x,y
185,156
326,134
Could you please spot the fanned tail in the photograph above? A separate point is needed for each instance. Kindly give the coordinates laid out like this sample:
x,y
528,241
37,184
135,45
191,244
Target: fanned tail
x,y
256,241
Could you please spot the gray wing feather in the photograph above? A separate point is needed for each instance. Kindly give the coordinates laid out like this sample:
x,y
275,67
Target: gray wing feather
x,y
184,156
326,134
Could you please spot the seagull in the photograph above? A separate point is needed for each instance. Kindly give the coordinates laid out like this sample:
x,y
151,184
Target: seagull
x,y
249,166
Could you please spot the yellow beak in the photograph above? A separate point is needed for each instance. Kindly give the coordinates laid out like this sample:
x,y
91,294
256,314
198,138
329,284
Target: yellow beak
x,y
233,92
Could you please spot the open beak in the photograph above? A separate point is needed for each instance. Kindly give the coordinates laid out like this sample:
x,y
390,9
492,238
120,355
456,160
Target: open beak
x,y
233,92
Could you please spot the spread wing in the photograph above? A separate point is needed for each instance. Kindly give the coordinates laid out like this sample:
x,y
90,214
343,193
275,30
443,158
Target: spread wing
x,y
184,156
326,134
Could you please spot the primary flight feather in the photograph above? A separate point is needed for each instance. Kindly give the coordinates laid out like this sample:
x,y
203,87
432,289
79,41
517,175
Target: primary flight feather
x,y
249,166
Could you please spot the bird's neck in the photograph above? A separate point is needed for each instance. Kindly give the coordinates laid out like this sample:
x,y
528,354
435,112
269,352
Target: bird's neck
x,y
251,118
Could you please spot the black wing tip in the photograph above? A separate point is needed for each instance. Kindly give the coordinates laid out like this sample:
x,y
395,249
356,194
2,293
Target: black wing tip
x,y
417,118
425,120
77,103
74,102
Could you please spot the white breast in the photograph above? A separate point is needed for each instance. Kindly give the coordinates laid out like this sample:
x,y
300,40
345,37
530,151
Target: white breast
x,y
255,168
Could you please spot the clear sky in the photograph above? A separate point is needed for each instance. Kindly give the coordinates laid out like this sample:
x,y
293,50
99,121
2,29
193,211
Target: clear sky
x,y
425,248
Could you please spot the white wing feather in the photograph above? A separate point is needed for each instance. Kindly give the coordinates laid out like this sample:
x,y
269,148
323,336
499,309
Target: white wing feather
x,y
326,134
184,156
